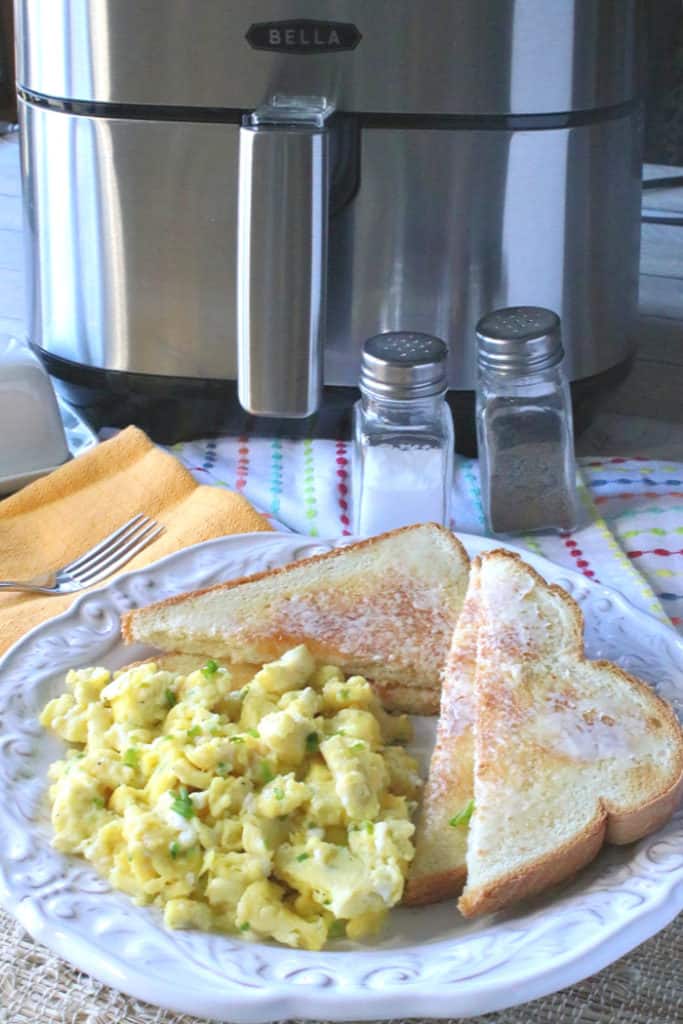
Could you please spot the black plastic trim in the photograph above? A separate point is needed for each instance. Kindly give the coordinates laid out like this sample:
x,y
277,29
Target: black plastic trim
x,y
173,409
232,115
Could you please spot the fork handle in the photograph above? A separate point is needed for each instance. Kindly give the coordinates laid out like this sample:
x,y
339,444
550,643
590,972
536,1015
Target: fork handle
x,y
28,588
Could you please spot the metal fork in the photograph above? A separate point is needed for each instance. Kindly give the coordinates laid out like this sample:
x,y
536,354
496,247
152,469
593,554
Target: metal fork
x,y
97,563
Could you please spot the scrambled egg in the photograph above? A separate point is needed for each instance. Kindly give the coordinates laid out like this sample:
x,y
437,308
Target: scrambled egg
x,y
279,810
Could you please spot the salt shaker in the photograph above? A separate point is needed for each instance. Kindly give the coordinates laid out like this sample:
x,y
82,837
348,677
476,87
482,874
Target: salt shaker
x,y
403,434
524,422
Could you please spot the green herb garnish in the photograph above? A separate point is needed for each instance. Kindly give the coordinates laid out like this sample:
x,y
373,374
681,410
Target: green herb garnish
x,y
344,693
237,739
194,731
358,746
312,742
336,930
182,804
222,768
254,732
245,927
279,793
463,816
171,699
369,827
131,757
174,849
243,692
266,771
210,668
98,801
303,856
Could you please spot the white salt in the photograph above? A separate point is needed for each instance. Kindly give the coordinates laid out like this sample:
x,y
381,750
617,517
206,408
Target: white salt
x,y
399,486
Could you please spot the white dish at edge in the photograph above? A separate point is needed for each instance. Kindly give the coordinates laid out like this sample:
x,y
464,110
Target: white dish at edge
x,y
428,962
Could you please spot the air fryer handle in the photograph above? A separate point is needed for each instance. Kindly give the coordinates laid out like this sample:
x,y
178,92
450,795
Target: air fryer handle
x,y
282,260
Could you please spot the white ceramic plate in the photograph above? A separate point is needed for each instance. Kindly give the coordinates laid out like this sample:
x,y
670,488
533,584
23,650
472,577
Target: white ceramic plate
x,y
429,962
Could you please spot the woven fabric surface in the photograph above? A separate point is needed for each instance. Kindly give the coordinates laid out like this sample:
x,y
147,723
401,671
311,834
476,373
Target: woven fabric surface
x,y
631,538
645,987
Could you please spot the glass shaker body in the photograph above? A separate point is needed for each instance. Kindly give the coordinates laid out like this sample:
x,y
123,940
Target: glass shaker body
x,y
526,450
403,462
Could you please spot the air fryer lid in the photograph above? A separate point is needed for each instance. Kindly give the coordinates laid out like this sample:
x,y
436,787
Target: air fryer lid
x,y
398,57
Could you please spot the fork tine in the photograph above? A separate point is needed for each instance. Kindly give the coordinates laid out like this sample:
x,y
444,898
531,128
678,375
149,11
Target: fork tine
x,y
114,562
78,563
106,555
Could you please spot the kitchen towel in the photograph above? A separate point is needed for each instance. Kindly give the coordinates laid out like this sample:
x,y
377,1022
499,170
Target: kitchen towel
x,y
53,520
630,536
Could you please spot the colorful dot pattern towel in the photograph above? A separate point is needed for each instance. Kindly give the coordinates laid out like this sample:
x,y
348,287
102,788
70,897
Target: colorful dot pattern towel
x,y
630,537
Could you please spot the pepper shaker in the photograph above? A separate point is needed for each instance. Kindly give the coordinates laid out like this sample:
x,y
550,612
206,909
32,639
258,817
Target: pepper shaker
x,y
524,422
403,434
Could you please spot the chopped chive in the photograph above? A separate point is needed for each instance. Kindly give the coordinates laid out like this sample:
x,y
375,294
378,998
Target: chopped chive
x,y
369,827
237,739
279,793
463,816
266,771
210,668
131,757
312,742
327,902
358,746
80,755
303,856
245,927
171,699
222,768
174,849
336,930
254,732
344,693
182,804
98,801
194,731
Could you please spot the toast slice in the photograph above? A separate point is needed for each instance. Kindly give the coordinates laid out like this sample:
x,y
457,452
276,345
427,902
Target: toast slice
x,y
439,868
569,753
384,608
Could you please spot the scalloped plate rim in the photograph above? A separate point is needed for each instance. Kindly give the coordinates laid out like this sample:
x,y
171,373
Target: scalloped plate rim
x,y
282,999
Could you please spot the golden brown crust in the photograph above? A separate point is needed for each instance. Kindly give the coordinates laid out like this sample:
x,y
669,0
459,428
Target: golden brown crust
x,y
537,875
450,781
443,885
128,617
612,823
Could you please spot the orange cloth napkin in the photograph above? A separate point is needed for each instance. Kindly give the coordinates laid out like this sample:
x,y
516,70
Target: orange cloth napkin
x,y
57,518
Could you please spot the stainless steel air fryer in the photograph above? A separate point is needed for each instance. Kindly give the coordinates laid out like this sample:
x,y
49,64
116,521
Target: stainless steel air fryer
x,y
245,191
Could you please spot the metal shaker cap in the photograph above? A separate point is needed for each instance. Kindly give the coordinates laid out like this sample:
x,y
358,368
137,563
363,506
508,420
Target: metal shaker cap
x,y
403,364
519,339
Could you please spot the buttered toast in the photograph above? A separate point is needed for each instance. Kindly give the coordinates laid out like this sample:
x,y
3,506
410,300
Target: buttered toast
x,y
439,868
568,753
384,608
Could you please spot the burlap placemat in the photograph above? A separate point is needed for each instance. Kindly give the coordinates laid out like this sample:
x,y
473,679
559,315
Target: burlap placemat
x,y
645,987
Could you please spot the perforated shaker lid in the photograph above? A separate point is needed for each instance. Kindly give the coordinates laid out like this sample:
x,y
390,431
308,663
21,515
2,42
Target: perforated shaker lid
x,y
404,364
519,339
